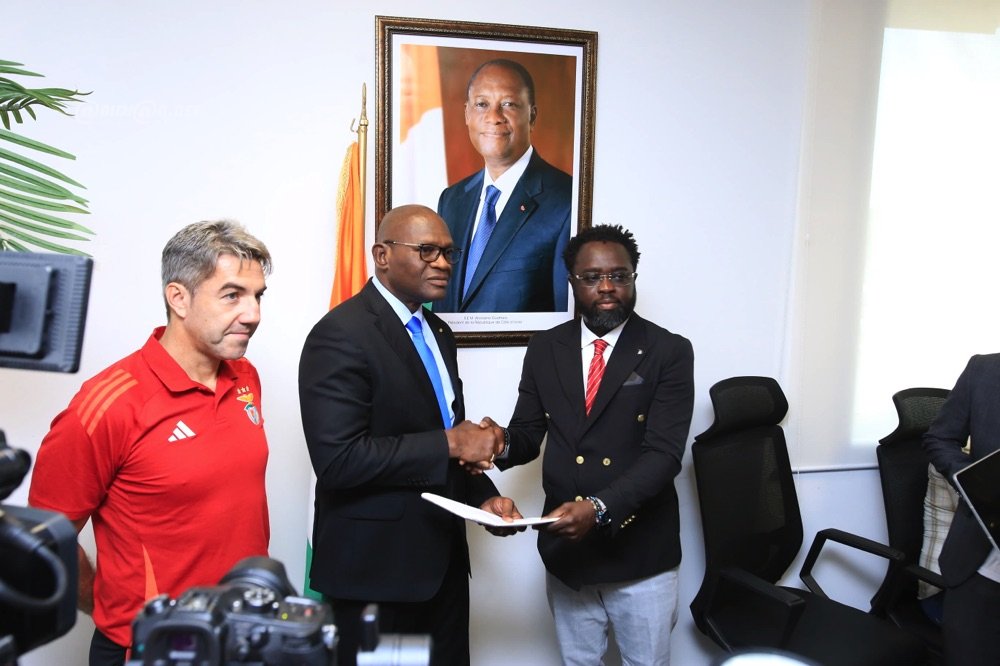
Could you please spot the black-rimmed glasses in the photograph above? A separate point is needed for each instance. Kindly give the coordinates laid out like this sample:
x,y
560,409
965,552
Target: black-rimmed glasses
x,y
594,279
430,253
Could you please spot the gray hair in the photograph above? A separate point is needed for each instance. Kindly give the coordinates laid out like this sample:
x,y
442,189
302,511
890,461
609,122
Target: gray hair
x,y
189,257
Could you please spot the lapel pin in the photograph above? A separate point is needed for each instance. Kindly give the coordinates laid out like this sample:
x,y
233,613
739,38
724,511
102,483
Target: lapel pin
x,y
639,352
522,208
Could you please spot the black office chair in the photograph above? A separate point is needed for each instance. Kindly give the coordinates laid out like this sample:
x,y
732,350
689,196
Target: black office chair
x,y
902,468
753,531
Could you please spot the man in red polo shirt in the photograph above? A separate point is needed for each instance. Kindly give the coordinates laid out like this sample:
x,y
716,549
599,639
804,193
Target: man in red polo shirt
x,y
165,450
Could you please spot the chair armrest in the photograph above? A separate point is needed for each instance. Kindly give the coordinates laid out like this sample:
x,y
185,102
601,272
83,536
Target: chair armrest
x,y
767,601
924,574
895,557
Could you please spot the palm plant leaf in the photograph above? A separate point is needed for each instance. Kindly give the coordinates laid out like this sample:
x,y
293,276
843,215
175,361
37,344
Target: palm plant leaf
x,y
30,193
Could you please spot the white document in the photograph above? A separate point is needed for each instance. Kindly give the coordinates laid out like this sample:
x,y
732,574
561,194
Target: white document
x,y
480,516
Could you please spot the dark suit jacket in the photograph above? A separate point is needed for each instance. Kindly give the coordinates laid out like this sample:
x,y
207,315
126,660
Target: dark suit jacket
x,y
376,441
972,409
626,452
522,268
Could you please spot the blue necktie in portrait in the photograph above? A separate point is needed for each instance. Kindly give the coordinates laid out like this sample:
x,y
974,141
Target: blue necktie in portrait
x,y
487,221
415,328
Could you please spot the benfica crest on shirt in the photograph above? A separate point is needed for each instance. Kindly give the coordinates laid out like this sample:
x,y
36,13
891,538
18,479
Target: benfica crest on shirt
x,y
251,409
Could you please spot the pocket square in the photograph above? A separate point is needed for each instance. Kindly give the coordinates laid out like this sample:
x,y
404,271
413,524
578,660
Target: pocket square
x,y
633,380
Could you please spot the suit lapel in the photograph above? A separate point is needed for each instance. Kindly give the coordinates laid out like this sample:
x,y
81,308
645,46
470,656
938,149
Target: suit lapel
x,y
446,344
625,356
468,204
520,206
398,340
567,358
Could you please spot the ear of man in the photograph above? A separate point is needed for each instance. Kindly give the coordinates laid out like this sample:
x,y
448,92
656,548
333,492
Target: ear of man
x,y
178,299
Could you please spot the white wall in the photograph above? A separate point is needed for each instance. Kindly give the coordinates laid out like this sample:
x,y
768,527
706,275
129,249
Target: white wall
x,y
242,109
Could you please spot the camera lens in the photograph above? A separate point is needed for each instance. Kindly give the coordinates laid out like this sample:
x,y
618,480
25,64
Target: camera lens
x,y
261,572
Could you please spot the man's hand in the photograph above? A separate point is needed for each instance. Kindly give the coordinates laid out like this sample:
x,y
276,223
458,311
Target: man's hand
x,y
575,520
503,507
475,445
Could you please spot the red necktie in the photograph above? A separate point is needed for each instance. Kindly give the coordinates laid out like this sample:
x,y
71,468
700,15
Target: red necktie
x,y
596,372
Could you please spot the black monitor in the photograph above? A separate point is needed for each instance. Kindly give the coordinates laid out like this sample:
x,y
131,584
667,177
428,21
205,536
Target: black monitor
x,y
43,309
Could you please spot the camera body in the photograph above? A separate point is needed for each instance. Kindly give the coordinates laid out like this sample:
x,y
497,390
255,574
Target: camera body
x,y
38,567
252,616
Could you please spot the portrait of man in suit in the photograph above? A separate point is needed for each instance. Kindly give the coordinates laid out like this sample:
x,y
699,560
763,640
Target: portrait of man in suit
x,y
613,393
513,217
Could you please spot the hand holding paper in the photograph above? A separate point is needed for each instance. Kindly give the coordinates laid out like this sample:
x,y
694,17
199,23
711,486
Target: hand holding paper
x,y
480,516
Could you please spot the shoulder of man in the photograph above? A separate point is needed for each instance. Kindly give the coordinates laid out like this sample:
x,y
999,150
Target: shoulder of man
x,y
987,362
472,181
115,392
563,331
438,324
553,174
657,334
352,310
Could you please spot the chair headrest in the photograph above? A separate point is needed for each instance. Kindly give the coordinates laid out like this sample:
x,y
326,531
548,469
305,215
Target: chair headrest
x,y
745,402
917,408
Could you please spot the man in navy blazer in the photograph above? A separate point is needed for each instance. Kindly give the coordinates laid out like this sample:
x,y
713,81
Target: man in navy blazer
x,y
520,268
615,443
969,564
379,433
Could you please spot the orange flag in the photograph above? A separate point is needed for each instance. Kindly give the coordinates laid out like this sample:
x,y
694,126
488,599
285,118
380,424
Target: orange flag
x,y
350,274
348,278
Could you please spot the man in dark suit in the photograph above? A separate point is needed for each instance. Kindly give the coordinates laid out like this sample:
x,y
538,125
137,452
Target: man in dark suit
x,y
379,391
969,563
614,393
512,219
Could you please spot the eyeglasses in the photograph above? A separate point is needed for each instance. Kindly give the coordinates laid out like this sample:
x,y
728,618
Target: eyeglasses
x,y
617,279
430,253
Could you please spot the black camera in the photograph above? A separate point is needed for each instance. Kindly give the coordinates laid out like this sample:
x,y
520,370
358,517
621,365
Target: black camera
x,y
38,567
253,616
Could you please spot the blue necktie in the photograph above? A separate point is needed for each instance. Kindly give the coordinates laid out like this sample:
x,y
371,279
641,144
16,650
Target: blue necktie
x,y
414,327
487,221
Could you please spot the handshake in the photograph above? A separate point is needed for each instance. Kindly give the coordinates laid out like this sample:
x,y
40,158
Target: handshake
x,y
476,445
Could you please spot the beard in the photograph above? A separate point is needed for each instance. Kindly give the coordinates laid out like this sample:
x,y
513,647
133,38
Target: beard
x,y
601,321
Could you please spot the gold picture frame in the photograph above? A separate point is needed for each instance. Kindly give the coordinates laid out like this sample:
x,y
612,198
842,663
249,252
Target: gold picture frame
x,y
423,145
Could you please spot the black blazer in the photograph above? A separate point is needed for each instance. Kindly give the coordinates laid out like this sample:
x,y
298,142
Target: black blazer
x,y
376,441
627,451
972,409
522,269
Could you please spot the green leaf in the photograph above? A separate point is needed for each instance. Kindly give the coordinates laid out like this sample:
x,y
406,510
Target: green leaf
x,y
15,68
39,242
24,224
41,203
51,192
36,180
31,143
8,245
30,194
37,166
42,217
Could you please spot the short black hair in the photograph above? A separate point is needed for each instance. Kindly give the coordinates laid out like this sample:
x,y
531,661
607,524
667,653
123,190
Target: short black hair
x,y
511,65
601,232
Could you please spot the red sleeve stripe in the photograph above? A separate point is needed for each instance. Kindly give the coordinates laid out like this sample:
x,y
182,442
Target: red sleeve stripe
x,y
102,396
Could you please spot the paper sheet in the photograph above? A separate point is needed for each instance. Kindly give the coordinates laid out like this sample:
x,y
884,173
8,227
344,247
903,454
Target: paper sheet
x,y
480,516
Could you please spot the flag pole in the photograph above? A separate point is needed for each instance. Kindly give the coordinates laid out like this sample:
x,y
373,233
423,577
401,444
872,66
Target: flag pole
x,y
363,149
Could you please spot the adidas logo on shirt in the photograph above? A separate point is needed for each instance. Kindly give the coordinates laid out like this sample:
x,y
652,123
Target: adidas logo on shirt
x,y
181,431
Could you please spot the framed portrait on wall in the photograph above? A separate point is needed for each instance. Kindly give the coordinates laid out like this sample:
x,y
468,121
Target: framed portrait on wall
x,y
492,126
